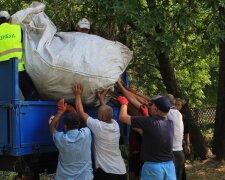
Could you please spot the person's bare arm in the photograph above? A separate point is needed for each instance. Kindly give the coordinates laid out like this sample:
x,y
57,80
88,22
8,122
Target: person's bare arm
x,y
123,116
138,94
77,90
129,95
101,96
187,148
54,120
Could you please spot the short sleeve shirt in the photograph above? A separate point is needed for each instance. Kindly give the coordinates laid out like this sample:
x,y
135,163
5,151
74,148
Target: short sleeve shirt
x,y
74,154
175,116
157,138
106,146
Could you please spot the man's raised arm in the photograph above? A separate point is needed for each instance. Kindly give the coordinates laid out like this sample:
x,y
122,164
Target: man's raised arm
x,y
54,120
123,116
77,90
101,96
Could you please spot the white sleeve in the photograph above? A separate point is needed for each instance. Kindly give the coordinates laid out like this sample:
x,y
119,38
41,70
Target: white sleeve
x,y
93,124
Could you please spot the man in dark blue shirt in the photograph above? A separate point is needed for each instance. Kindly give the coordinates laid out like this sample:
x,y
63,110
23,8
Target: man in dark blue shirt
x,y
157,140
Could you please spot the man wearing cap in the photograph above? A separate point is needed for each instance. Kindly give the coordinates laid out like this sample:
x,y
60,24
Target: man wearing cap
x,y
157,140
74,145
11,47
83,25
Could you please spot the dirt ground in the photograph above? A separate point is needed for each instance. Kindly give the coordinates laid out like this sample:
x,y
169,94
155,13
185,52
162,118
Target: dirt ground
x,y
209,169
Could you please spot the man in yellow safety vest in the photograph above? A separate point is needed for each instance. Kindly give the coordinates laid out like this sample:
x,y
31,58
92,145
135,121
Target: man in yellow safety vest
x,y
11,47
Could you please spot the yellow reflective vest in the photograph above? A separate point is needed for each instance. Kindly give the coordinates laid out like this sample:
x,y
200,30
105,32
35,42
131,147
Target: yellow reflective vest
x,y
10,43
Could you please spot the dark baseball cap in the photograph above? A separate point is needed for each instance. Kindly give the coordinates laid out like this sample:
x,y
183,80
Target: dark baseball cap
x,y
163,104
154,97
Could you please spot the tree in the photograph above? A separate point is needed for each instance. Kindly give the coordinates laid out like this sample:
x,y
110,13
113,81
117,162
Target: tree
x,y
219,131
169,79
164,39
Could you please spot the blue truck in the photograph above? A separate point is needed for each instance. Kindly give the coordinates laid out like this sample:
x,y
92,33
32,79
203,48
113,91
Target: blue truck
x,y
25,140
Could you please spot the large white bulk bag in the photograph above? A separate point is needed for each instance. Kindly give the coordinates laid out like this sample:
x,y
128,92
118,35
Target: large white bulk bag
x,y
55,61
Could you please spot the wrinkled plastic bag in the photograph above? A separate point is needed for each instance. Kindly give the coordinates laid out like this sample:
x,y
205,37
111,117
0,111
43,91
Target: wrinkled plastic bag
x,y
55,61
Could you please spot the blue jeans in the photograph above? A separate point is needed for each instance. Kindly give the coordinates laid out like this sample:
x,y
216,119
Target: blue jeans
x,y
158,171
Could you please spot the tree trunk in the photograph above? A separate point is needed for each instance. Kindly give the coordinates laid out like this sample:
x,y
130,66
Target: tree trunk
x,y
219,127
168,75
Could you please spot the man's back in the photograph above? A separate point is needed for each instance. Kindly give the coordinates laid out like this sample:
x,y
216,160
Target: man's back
x,y
106,146
74,154
175,116
157,138
10,41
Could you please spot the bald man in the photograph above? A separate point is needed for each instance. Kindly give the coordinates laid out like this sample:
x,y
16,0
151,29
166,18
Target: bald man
x,y
109,163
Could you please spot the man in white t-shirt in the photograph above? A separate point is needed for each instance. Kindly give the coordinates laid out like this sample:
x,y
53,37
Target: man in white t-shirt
x,y
178,153
109,163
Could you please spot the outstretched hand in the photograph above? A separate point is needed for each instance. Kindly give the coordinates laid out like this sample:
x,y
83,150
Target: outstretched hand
x,y
122,100
61,106
119,84
101,96
144,110
77,89
102,93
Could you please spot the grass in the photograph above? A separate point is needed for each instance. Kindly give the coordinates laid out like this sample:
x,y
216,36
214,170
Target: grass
x,y
6,175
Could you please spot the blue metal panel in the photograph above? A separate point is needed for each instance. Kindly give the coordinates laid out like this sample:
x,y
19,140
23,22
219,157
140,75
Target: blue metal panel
x,y
125,78
33,124
26,128
3,127
9,90
33,135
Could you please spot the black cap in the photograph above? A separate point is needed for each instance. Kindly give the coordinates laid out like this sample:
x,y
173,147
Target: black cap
x,y
163,104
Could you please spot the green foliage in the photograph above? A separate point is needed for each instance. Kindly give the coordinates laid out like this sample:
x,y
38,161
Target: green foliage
x,y
7,175
207,131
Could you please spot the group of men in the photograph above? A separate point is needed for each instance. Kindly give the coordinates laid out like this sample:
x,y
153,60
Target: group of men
x,y
161,142
147,111
74,146
161,131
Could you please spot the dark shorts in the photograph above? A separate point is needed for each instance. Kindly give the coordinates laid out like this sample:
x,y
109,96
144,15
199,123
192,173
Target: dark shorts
x,y
101,175
135,164
179,160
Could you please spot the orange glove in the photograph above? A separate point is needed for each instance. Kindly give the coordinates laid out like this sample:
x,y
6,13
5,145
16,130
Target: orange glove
x,y
122,100
144,110
61,106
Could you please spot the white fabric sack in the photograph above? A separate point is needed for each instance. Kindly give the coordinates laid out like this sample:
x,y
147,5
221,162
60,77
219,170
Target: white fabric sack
x,y
55,61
